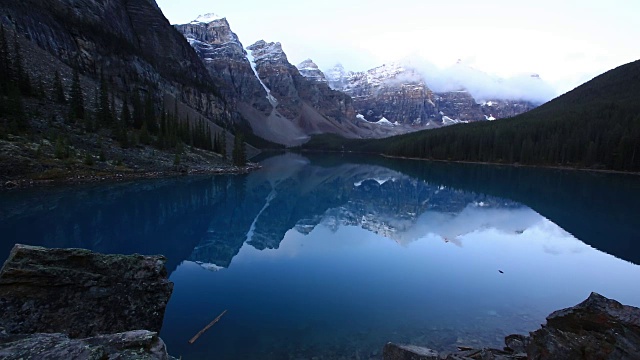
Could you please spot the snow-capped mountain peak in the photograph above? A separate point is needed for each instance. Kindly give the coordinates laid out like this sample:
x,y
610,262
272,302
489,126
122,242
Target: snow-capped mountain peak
x,y
307,65
207,18
310,70
270,52
337,77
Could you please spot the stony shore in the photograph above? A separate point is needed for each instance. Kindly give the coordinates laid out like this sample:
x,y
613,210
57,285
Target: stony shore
x,y
597,328
84,177
77,304
26,162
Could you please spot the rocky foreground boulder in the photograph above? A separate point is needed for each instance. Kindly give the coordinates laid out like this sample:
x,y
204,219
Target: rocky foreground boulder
x,y
137,344
597,328
77,304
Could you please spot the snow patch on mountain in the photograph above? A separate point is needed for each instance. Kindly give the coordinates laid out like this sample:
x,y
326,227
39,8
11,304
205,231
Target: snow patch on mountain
x,y
209,266
384,122
446,121
272,100
207,18
380,181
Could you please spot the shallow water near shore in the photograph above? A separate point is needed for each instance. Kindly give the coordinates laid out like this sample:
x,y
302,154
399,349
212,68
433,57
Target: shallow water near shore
x,y
331,257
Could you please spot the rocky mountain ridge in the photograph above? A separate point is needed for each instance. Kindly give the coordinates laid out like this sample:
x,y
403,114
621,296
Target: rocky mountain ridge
x,y
310,70
280,104
226,60
286,104
399,93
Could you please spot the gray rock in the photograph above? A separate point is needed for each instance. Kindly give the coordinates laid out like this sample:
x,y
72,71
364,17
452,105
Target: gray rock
x,y
598,328
517,343
393,351
138,345
81,293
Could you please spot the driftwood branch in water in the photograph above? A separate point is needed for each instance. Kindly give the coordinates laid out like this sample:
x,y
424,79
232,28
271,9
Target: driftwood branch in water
x,y
193,339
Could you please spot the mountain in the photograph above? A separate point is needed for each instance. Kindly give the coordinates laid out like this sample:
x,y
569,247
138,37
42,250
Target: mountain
x,y
287,104
310,70
128,42
226,60
296,94
280,104
98,87
595,126
399,92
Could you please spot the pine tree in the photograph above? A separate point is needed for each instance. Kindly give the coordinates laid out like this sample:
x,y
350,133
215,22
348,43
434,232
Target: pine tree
x,y
114,112
209,138
76,98
125,114
120,126
104,116
145,138
89,124
138,114
223,145
15,107
216,144
150,114
239,155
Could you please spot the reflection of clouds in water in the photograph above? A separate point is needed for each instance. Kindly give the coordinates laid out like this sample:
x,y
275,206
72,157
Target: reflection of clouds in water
x,y
554,239
450,227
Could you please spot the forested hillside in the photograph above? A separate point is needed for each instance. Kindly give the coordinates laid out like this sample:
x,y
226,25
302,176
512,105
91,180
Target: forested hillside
x,y
596,125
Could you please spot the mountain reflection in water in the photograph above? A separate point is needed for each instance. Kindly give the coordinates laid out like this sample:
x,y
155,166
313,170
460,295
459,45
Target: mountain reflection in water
x,y
334,256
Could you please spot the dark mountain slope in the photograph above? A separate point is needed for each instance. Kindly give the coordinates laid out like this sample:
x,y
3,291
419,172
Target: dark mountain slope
x,y
131,38
92,85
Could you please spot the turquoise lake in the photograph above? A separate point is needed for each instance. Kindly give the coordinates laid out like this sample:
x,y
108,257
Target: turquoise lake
x,y
330,256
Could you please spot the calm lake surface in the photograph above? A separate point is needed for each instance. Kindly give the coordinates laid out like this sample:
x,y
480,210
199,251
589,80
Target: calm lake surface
x,y
331,257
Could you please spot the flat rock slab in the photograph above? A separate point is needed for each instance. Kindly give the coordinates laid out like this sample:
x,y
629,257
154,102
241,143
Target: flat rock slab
x,y
81,293
132,345
393,351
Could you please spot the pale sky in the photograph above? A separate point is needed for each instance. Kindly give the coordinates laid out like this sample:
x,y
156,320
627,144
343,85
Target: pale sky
x,y
566,42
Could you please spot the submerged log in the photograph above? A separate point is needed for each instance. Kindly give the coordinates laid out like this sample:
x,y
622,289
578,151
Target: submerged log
x,y
193,339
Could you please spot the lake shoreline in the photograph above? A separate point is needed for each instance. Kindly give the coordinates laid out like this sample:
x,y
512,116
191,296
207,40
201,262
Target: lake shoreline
x,y
604,171
89,177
